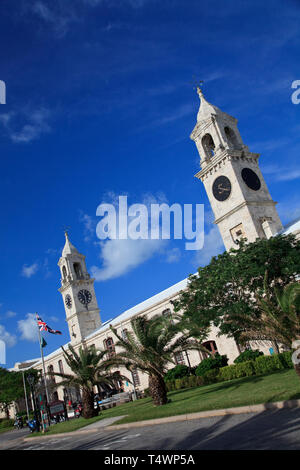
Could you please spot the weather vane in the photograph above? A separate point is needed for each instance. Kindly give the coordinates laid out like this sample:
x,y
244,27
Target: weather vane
x,y
197,84
66,229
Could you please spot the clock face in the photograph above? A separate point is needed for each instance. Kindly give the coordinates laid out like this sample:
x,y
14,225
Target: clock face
x,y
221,188
68,301
84,296
251,179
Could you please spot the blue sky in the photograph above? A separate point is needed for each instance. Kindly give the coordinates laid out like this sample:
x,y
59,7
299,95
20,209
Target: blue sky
x,y
100,103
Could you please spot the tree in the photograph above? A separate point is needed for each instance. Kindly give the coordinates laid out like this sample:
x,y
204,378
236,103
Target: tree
x,y
150,348
11,388
89,370
225,290
279,318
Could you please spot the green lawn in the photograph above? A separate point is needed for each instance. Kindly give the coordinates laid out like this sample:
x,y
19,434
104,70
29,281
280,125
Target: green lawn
x,y
283,385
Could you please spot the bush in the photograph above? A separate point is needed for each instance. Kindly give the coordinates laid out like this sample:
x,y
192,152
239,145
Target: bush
x,y
146,393
177,372
286,359
213,362
211,376
6,423
267,364
248,355
236,371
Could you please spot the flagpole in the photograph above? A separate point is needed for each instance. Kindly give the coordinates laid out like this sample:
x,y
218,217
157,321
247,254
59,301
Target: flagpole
x,y
43,362
26,401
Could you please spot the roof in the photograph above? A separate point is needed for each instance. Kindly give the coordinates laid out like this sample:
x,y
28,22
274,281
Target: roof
x,y
163,295
290,228
68,248
206,109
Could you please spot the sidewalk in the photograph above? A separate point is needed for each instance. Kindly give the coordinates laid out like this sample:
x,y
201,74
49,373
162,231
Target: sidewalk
x,y
108,422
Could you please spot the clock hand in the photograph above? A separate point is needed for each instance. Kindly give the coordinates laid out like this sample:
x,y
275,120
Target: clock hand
x,y
221,189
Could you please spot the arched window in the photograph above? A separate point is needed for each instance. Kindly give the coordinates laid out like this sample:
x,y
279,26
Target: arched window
x,y
50,373
124,334
211,347
109,346
60,366
231,137
78,270
166,312
208,145
64,273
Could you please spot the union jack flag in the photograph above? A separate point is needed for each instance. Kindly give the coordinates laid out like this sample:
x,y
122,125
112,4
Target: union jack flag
x,y
44,327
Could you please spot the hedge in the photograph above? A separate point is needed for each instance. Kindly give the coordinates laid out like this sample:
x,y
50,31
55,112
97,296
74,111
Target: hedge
x,y
213,362
248,355
262,365
177,372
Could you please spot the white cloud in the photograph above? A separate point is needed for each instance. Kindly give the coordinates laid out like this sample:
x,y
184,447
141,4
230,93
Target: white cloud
x,y
213,245
28,271
10,314
281,174
89,226
35,124
9,339
28,328
173,255
120,256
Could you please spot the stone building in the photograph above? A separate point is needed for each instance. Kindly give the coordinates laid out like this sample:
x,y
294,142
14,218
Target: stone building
x,y
242,206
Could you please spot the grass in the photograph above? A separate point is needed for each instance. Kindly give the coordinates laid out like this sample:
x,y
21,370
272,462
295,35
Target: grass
x,y
283,385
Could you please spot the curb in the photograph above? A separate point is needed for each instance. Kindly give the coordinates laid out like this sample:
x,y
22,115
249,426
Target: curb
x,y
185,417
210,413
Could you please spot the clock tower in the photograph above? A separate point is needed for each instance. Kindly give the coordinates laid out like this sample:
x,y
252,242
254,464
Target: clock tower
x,y
234,184
77,290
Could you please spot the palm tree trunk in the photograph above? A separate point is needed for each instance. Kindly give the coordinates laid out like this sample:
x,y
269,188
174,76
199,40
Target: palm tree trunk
x,y
157,389
88,410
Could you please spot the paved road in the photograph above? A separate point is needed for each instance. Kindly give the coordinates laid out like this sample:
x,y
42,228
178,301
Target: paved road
x,y
279,429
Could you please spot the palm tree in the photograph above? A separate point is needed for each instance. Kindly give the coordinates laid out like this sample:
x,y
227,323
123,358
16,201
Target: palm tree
x,y
89,370
279,317
150,348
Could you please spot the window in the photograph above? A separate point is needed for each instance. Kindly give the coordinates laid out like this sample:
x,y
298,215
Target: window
x,y
64,273
166,312
50,373
78,270
231,137
208,145
211,347
60,366
179,358
124,334
135,377
109,346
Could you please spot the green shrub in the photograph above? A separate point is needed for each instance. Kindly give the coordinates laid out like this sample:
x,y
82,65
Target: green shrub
x,y
6,423
213,362
146,392
177,372
170,385
267,364
192,381
248,355
211,376
236,371
286,359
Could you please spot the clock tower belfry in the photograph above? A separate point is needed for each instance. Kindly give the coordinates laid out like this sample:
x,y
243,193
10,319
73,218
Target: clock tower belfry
x,y
77,290
234,184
